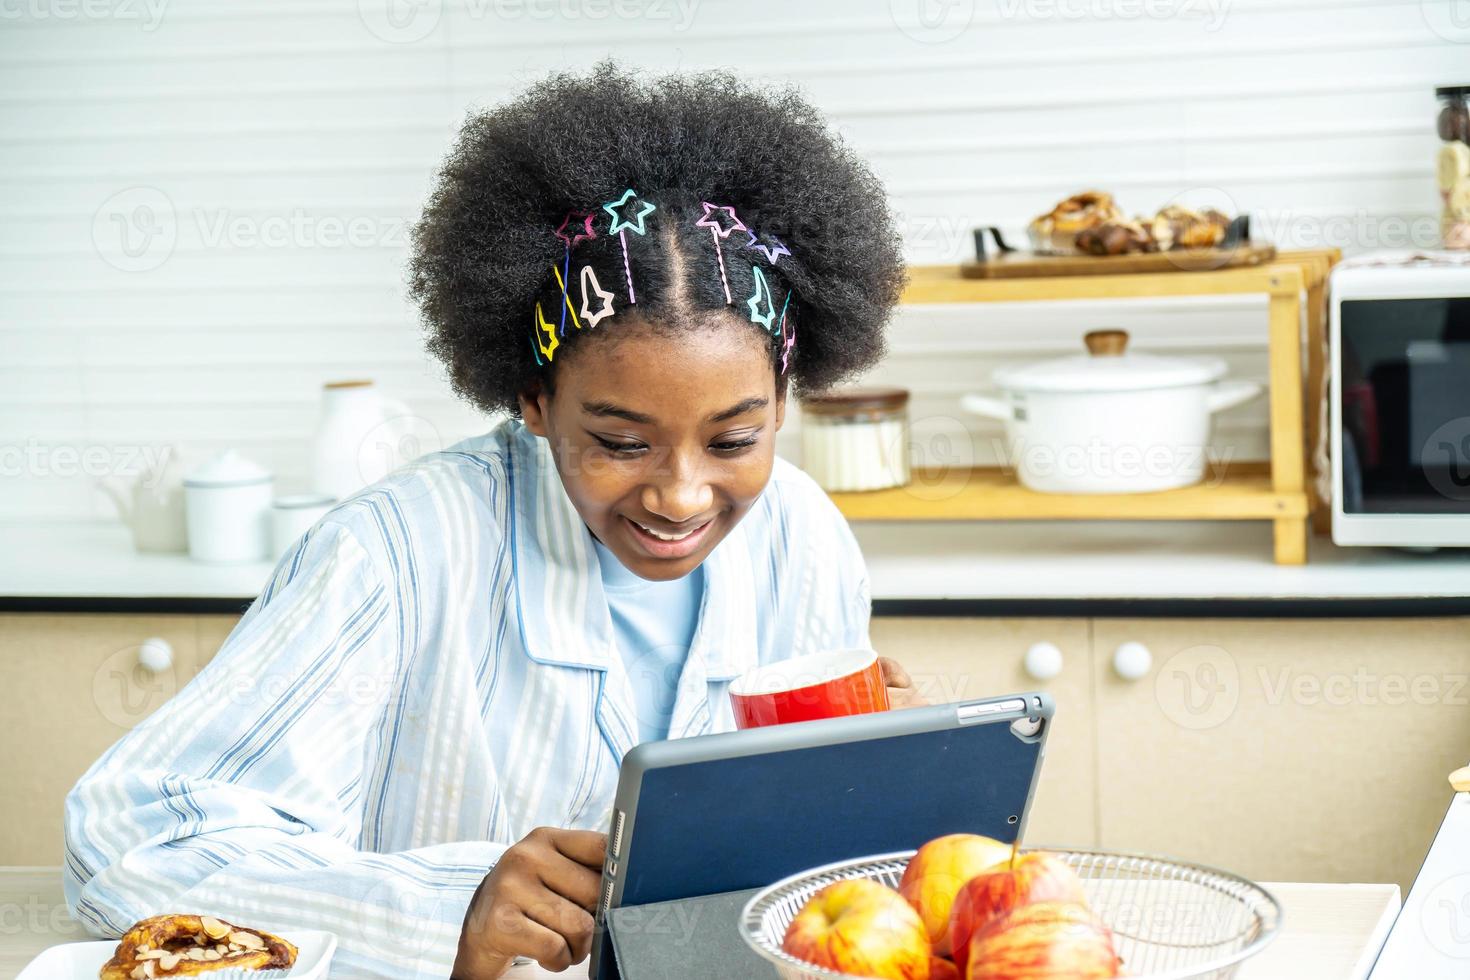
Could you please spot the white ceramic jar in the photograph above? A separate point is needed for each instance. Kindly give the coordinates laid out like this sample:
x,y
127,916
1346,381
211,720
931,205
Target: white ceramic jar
x,y
228,502
856,438
1110,421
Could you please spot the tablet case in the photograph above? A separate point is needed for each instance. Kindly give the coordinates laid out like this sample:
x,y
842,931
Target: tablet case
x,y
690,937
734,823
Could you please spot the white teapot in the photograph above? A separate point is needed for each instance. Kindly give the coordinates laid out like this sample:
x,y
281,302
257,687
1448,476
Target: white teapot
x,y
152,505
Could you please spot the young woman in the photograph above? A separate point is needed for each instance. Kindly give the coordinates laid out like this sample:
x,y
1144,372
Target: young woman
x,y
413,736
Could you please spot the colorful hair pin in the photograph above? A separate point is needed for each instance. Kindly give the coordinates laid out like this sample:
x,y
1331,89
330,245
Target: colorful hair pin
x,y
788,340
762,294
772,254
720,228
566,304
542,327
621,224
591,286
582,234
576,236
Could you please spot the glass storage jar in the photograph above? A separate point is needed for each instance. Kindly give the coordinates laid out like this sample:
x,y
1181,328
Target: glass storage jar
x,y
856,438
1453,165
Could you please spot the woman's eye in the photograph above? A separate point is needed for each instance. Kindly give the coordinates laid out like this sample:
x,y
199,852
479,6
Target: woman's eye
x,y
621,448
734,447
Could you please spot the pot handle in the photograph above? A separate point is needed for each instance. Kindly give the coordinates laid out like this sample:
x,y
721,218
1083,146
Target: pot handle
x,y
991,408
1228,394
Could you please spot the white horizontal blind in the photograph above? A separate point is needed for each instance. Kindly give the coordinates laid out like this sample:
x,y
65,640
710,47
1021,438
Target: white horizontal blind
x,y
204,203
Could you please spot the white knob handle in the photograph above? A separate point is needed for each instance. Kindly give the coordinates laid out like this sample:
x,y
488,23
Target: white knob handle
x,y
156,654
1043,661
1132,660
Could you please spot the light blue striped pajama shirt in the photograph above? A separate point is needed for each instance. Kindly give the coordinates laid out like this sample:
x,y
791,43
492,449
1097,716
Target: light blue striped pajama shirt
x,y
429,675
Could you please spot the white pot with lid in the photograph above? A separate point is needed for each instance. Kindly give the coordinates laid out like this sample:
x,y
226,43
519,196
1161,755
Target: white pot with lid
x,y
1110,420
228,502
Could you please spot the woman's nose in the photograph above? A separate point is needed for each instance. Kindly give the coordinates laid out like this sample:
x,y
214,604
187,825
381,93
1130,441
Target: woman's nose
x,y
678,490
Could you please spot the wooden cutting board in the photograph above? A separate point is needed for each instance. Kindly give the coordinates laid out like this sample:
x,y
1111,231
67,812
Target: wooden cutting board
x,y
1024,265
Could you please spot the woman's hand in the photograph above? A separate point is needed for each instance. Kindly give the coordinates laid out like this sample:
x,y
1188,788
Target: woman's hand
x,y
901,690
537,901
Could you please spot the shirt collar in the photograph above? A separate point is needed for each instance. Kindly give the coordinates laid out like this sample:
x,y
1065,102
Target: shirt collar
x,y
563,613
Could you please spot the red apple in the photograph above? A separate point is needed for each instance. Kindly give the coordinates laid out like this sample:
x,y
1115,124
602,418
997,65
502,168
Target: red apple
x,y
859,926
990,895
1044,941
943,969
936,873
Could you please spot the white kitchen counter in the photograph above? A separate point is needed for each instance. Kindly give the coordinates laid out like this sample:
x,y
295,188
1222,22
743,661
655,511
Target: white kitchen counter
x,y
1003,562
1089,560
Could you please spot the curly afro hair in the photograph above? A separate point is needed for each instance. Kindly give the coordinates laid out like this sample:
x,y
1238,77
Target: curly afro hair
x,y
486,259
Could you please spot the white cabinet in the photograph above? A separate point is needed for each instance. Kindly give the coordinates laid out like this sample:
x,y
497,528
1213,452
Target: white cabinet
x,y
74,685
1300,749
1286,750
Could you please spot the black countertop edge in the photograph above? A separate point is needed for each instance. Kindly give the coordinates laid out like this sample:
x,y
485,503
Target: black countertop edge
x,y
1355,607
1287,607
123,604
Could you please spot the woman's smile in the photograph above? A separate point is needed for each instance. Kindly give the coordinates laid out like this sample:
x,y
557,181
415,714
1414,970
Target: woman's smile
x,y
668,544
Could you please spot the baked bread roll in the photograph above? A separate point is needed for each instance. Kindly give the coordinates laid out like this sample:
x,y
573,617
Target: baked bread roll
x,y
1057,230
188,945
1178,227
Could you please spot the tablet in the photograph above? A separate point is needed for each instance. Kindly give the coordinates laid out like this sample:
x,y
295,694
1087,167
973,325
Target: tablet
x,y
718,813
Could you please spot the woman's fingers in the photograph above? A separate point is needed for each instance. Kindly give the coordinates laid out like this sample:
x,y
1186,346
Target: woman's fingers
x,y
536,901
573,924
544,944
586,847
575,882
893,673
901,690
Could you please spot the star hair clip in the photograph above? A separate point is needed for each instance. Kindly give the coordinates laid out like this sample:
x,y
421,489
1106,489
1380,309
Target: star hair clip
x,y
621,209
772,252
721,221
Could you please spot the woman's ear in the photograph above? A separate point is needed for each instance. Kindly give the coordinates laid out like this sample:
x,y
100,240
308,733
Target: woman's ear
x,y
535,404
780,406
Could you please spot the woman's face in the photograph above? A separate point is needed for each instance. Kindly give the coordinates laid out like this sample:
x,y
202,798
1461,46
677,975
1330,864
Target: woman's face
x,y
663,440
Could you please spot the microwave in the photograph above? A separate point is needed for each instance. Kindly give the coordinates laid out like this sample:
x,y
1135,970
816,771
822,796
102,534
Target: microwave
x,y
1400,403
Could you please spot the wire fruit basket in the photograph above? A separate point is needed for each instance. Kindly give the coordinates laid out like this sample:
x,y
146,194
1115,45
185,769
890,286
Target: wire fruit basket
x,y
1171,920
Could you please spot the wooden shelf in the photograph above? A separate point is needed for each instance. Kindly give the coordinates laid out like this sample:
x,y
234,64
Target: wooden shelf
x,y
1294,284
1243,494
946,284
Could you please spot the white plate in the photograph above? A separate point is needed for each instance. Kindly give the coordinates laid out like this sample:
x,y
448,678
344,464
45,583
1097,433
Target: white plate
x,y
83,961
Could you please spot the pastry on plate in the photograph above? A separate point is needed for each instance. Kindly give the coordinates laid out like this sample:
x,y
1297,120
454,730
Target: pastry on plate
x,y
1057,230
188,945
1176,226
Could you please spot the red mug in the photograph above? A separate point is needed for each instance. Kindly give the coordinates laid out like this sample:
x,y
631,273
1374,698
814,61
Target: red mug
x,y
822,685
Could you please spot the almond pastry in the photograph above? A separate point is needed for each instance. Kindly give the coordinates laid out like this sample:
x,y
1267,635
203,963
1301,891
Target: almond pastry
x,y
1056,230
1179,227
187,945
